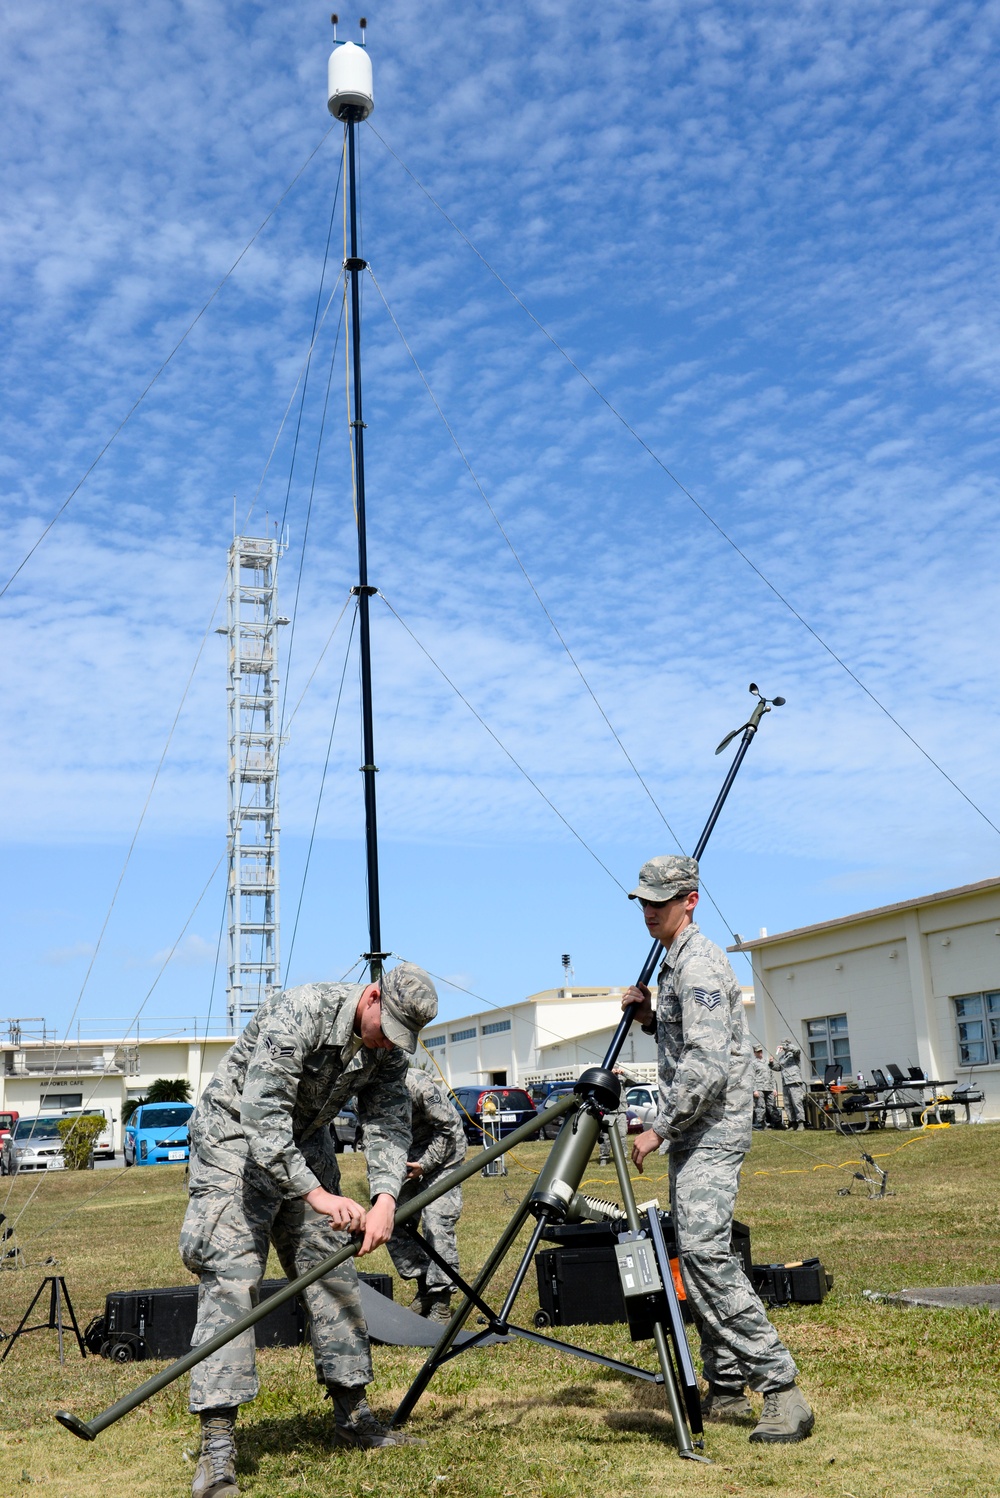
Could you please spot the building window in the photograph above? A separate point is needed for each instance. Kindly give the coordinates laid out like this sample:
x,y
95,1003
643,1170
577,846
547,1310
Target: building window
x,y
60,1100
828,1042
434,1040
464,1034
978,1018
496,1027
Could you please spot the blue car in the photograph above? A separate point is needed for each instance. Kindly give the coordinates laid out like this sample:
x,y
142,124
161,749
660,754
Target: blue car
x,y
157,1134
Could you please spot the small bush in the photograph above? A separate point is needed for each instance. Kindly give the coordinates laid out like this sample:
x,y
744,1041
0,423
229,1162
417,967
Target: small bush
x,y
78,1136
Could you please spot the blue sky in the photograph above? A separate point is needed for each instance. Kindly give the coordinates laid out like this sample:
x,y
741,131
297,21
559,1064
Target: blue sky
x,y
768,235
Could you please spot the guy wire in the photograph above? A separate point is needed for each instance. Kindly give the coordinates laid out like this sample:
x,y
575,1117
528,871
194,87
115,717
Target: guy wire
x,y
555,628
524,571
517,765
132,1023
650,452
142,396
319,798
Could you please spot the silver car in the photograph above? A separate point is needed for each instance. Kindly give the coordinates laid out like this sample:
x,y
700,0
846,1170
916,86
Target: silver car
x,y
34,1144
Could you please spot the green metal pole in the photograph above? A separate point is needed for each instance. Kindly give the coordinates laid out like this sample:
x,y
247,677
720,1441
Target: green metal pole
x,y
89,1430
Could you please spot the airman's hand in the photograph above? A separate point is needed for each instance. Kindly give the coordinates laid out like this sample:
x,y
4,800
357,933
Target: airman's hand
x,y
638,995
343,1212
378,1224
643,1145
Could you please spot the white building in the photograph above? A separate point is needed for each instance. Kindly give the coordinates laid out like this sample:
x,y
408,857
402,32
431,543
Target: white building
x,y
915,983
556,1033
35,1075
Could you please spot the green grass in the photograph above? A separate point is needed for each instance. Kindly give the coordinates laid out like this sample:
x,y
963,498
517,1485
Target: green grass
x,y
906,1400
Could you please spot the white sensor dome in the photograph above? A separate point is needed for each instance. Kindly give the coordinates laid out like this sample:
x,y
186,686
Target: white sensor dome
x,y
350,82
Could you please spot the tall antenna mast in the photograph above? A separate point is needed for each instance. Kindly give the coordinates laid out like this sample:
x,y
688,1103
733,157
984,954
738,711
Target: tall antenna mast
x,y
350,99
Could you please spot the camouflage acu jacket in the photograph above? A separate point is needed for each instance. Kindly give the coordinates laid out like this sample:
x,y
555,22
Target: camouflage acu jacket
x,y
438,1136
788,1060
761,1079
703,1049
294,1067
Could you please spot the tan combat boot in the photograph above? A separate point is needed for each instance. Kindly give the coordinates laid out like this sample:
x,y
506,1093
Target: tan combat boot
x,y
439,1307
786,1417
215,1474
726,1404
356,1425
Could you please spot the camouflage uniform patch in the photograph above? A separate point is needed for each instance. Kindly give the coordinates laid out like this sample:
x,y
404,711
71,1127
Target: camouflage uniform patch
x,y
439,1145
260,1142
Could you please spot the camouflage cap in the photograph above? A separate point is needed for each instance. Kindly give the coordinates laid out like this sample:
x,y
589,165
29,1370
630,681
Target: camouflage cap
x,y
409,1001
664,878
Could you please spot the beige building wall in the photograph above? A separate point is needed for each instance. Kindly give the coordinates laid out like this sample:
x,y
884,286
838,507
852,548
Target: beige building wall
x,y
895,972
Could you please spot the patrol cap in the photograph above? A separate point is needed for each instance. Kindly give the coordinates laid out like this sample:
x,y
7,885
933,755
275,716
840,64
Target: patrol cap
x,y
409,1001
758,1050
664,878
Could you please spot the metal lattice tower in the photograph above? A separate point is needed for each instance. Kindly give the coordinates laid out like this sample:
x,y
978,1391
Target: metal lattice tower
x,y
254,965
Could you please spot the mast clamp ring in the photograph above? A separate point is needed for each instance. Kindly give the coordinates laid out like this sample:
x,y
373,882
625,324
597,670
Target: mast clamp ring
x,y
354,262
367,590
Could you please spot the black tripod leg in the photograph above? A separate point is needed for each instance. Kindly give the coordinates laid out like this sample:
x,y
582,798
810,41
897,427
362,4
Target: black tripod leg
x,y
451,1272
73,1321
685,1446
439,1354
24,1320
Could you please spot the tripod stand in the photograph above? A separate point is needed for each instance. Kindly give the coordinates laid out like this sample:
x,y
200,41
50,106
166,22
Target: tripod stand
x,y
644,1266
659,1314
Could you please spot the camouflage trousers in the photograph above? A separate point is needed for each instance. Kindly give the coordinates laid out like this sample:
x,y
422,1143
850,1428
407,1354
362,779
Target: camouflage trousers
x,y
229,1225
764,1105
795,1106
437,1223
738,1344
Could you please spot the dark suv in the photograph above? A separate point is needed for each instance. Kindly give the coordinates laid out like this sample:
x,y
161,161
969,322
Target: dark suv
x,y
513,1103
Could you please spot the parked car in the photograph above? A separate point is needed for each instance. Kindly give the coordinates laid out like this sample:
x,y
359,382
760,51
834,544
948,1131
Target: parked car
x,y
345,1130
157,1134
553,1091
514,1105
7,1121
641,1103
34,1144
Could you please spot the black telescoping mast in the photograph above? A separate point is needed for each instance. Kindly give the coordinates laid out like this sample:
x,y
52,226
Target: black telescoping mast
x,y
351,100
748,729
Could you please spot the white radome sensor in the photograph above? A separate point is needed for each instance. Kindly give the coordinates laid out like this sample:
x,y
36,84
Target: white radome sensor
x,y
350,82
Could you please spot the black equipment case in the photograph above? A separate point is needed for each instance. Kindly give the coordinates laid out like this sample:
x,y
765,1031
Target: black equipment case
x,y
578,1283
803,1284
140,1324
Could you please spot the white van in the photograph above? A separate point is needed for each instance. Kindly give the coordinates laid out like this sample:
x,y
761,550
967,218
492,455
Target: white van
x,y
104,1144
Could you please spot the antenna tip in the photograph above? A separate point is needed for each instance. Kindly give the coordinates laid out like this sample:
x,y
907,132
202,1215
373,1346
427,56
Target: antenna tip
x,y
363,23
334,19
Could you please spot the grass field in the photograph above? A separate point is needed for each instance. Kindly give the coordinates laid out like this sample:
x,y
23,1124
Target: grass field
x,y
906,1400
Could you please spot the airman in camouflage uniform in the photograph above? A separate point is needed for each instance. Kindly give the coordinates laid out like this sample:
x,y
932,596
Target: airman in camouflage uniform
x,y
264,1171
438,1146
705,1113
788,1061
763,1087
